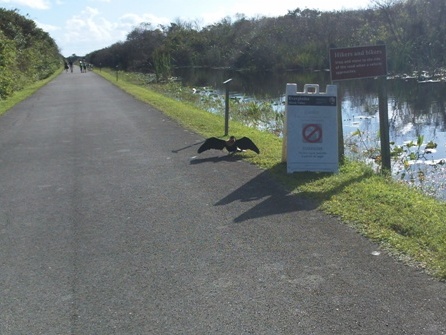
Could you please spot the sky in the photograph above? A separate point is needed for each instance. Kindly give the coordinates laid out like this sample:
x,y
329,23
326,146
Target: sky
x,y
83,26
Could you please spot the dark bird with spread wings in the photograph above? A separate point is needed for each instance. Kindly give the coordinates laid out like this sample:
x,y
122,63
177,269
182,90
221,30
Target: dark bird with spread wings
x,y
232,145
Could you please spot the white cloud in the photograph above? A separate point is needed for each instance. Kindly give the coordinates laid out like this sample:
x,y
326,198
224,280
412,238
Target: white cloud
x,y
89,25
37,4
90,30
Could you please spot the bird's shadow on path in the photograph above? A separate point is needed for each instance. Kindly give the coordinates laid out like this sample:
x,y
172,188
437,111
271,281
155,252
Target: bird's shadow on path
x,y
175,151
274,198
216,159
271,195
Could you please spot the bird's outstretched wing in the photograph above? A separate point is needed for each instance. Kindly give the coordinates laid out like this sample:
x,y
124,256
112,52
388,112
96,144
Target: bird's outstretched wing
x,y
245,143
212,143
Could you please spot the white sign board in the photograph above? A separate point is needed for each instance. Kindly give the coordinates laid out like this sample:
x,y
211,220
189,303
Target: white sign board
x,y
311,129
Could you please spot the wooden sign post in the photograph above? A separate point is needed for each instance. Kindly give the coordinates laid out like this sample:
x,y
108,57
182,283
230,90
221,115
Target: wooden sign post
x,y
366,62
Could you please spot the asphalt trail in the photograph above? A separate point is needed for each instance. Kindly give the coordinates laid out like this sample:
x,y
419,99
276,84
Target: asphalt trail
x,y
111,224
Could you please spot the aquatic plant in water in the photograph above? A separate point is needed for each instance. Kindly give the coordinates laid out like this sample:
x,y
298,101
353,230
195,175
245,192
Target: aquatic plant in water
x,y
411,162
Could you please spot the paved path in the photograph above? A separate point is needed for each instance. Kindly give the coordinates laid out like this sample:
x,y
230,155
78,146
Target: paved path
x,y
108,225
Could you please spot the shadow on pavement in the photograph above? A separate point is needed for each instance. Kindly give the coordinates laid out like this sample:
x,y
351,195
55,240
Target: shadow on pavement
x,y
216,159
276,200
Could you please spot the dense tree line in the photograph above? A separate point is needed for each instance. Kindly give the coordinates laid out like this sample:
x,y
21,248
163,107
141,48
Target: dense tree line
x,y
27,53
413,30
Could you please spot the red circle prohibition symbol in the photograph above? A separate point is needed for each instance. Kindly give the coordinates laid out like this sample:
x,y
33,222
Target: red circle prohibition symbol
x,y
312,133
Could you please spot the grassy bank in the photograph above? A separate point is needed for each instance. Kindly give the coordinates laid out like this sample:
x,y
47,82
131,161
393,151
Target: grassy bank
x,y
404,221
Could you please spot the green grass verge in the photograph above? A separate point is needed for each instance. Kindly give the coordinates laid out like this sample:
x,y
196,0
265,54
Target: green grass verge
x,y
409,224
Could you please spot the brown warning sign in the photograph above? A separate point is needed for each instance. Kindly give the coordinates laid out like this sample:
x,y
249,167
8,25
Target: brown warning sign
x,y
358,62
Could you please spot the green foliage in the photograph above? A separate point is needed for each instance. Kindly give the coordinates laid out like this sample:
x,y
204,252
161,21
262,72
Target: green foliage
x,y
7,66
163,66
27,53
415,36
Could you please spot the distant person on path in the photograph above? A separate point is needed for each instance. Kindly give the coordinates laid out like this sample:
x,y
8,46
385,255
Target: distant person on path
x,y
65,66
70,63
